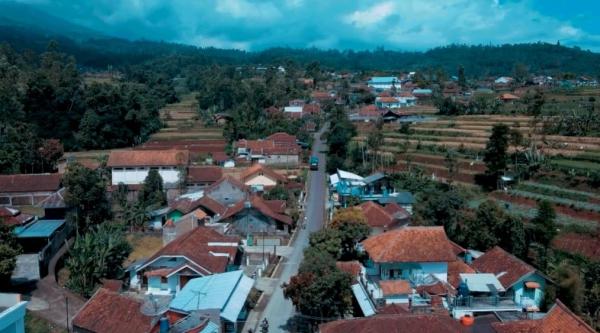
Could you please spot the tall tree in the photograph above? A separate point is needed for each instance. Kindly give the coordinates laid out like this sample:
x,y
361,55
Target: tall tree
x,y
495,156
351,225
462,80
86,191
152,193
9,250
544,224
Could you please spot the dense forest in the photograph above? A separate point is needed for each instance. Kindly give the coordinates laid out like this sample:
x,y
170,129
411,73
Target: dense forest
x,y
478,60
45,107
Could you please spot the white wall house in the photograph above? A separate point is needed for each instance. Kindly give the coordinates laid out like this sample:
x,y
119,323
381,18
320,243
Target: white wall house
x,y
384,82
132,167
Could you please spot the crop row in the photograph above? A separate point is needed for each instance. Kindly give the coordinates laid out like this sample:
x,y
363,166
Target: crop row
x,y
557,200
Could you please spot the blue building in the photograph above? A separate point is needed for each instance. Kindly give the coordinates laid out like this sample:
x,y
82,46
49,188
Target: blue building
x,y
375,187
226,292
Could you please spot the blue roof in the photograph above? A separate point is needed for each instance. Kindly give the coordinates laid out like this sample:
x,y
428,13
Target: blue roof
x,y
383,79
226,292
422,91
210,328
39,229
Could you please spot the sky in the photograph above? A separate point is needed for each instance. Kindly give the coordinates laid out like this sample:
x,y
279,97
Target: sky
x,y
340,24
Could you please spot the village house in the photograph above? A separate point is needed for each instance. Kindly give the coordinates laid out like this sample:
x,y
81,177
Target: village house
x,y
224,293
399,261
425,323
276,149
508,98
200,252
523,284
200,177
559,319
119,314
395,102
381,219
375,187
260,178
366,113
227,192
132,167
380,83
259,221
422,93
28,189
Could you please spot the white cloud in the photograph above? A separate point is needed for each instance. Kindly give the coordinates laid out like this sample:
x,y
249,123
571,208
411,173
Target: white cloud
x,y
371,16
245,9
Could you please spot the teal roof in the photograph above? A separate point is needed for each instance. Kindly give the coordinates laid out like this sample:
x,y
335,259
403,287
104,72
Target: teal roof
x,y
210,328
226,292
39,229
384,79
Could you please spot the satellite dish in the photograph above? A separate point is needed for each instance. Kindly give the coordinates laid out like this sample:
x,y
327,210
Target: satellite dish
x,y
155,306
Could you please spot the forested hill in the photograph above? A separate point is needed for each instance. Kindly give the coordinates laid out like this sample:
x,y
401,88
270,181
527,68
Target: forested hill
x,y
478,60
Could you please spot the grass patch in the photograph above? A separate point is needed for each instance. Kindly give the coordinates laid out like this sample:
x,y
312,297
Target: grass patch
x,y
143,246
35,324
574,164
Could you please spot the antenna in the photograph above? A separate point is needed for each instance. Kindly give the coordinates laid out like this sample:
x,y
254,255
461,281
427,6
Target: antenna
x,y
198,293
154,306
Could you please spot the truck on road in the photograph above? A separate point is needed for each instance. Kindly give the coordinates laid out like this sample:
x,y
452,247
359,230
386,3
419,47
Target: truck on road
x,y
314,163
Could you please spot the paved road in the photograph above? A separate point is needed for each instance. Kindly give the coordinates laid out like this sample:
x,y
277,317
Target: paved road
x,y
279,310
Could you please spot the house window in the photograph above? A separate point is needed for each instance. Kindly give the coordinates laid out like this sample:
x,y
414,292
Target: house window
x,y
129,168
163,280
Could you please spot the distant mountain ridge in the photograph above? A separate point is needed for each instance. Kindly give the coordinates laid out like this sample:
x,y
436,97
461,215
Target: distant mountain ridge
x,y
25,27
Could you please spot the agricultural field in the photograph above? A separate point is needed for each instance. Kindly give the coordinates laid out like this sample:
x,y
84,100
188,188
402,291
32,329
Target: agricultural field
x,y
182,122
563,181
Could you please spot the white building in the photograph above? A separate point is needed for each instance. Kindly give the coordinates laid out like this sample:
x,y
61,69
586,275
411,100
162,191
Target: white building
x,y
132,167
384,82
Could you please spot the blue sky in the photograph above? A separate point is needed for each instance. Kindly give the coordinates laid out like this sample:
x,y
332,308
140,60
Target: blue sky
x,y
342,24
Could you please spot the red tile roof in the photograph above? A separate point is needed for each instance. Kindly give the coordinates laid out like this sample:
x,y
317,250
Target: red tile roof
x,y
258,168
141,158
508,97
278,206
439,288
13,217
311,109
204,174
269,147
41,182
457,248
282,138
194,146
394,308
394,323
585,245
387,100
259,204
558,320
194,245
395,287
397,211
455,268
211,205
508,268
109,312
376,215
410,244
351,267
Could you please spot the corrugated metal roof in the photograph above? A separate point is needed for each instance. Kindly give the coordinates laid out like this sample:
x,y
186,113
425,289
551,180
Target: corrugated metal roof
x,y
481,282
384,79
363,300
226,292
39,229
210,328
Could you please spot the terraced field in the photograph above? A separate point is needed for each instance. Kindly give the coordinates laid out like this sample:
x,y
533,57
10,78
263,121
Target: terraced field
x,y
182,122
425,148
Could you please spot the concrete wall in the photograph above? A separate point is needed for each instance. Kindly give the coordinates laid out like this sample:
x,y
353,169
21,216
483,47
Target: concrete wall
x,y
290,160
136,176
23,199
